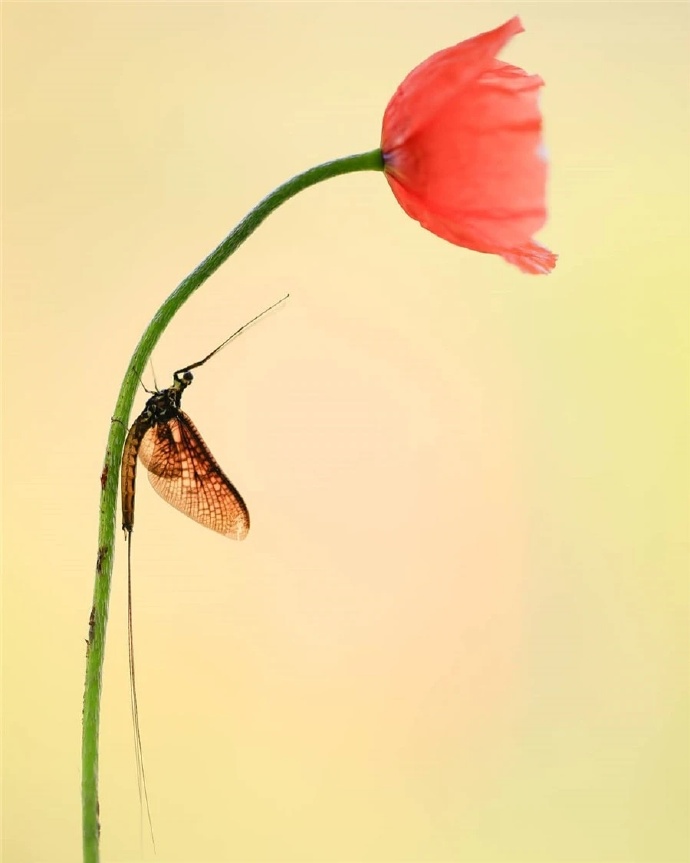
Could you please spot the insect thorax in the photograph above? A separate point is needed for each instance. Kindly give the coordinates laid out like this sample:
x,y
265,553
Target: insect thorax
x,y
164,405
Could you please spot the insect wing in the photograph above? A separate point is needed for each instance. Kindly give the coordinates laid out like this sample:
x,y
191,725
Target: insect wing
x,y
185,474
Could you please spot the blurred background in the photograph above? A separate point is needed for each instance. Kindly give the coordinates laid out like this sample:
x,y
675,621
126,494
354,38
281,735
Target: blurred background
x,y
457,630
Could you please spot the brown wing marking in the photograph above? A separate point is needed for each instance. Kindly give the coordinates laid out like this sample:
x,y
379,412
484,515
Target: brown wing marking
x,y
186,475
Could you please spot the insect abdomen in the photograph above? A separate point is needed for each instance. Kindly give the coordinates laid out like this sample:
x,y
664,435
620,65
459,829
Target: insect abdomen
x,y
129,470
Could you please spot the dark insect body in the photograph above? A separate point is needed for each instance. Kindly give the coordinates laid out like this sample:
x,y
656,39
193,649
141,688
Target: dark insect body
x,y
180,466
183,471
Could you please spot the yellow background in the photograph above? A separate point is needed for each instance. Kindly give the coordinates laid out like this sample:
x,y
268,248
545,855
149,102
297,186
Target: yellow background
x,y
456,631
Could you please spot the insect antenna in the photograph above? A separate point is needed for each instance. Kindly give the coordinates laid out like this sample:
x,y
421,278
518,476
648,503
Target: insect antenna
x,y
138,752
230,338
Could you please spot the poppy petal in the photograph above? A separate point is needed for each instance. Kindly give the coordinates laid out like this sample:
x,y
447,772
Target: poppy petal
x,y
463,150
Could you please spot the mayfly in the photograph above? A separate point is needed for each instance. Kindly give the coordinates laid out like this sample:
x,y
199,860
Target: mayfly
x,y
183,471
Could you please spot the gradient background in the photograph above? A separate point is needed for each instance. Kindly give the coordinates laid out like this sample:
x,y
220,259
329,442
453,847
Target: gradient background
x,y
457,631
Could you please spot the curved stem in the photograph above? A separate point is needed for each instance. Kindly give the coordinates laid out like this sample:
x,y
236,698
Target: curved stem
x,y
371,161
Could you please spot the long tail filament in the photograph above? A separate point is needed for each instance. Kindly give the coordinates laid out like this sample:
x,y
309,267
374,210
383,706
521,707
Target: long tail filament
x,y
138,752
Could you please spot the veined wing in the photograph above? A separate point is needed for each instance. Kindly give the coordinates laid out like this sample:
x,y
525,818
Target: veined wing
x,y
185,474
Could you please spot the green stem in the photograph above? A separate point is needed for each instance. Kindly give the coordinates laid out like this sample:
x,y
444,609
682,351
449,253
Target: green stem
x,y
372,161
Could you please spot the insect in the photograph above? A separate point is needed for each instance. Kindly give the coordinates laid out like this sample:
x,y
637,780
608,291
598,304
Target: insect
x,y
183,471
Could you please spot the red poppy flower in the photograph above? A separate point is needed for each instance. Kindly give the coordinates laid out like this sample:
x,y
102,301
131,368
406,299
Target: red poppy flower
x,y
463,151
